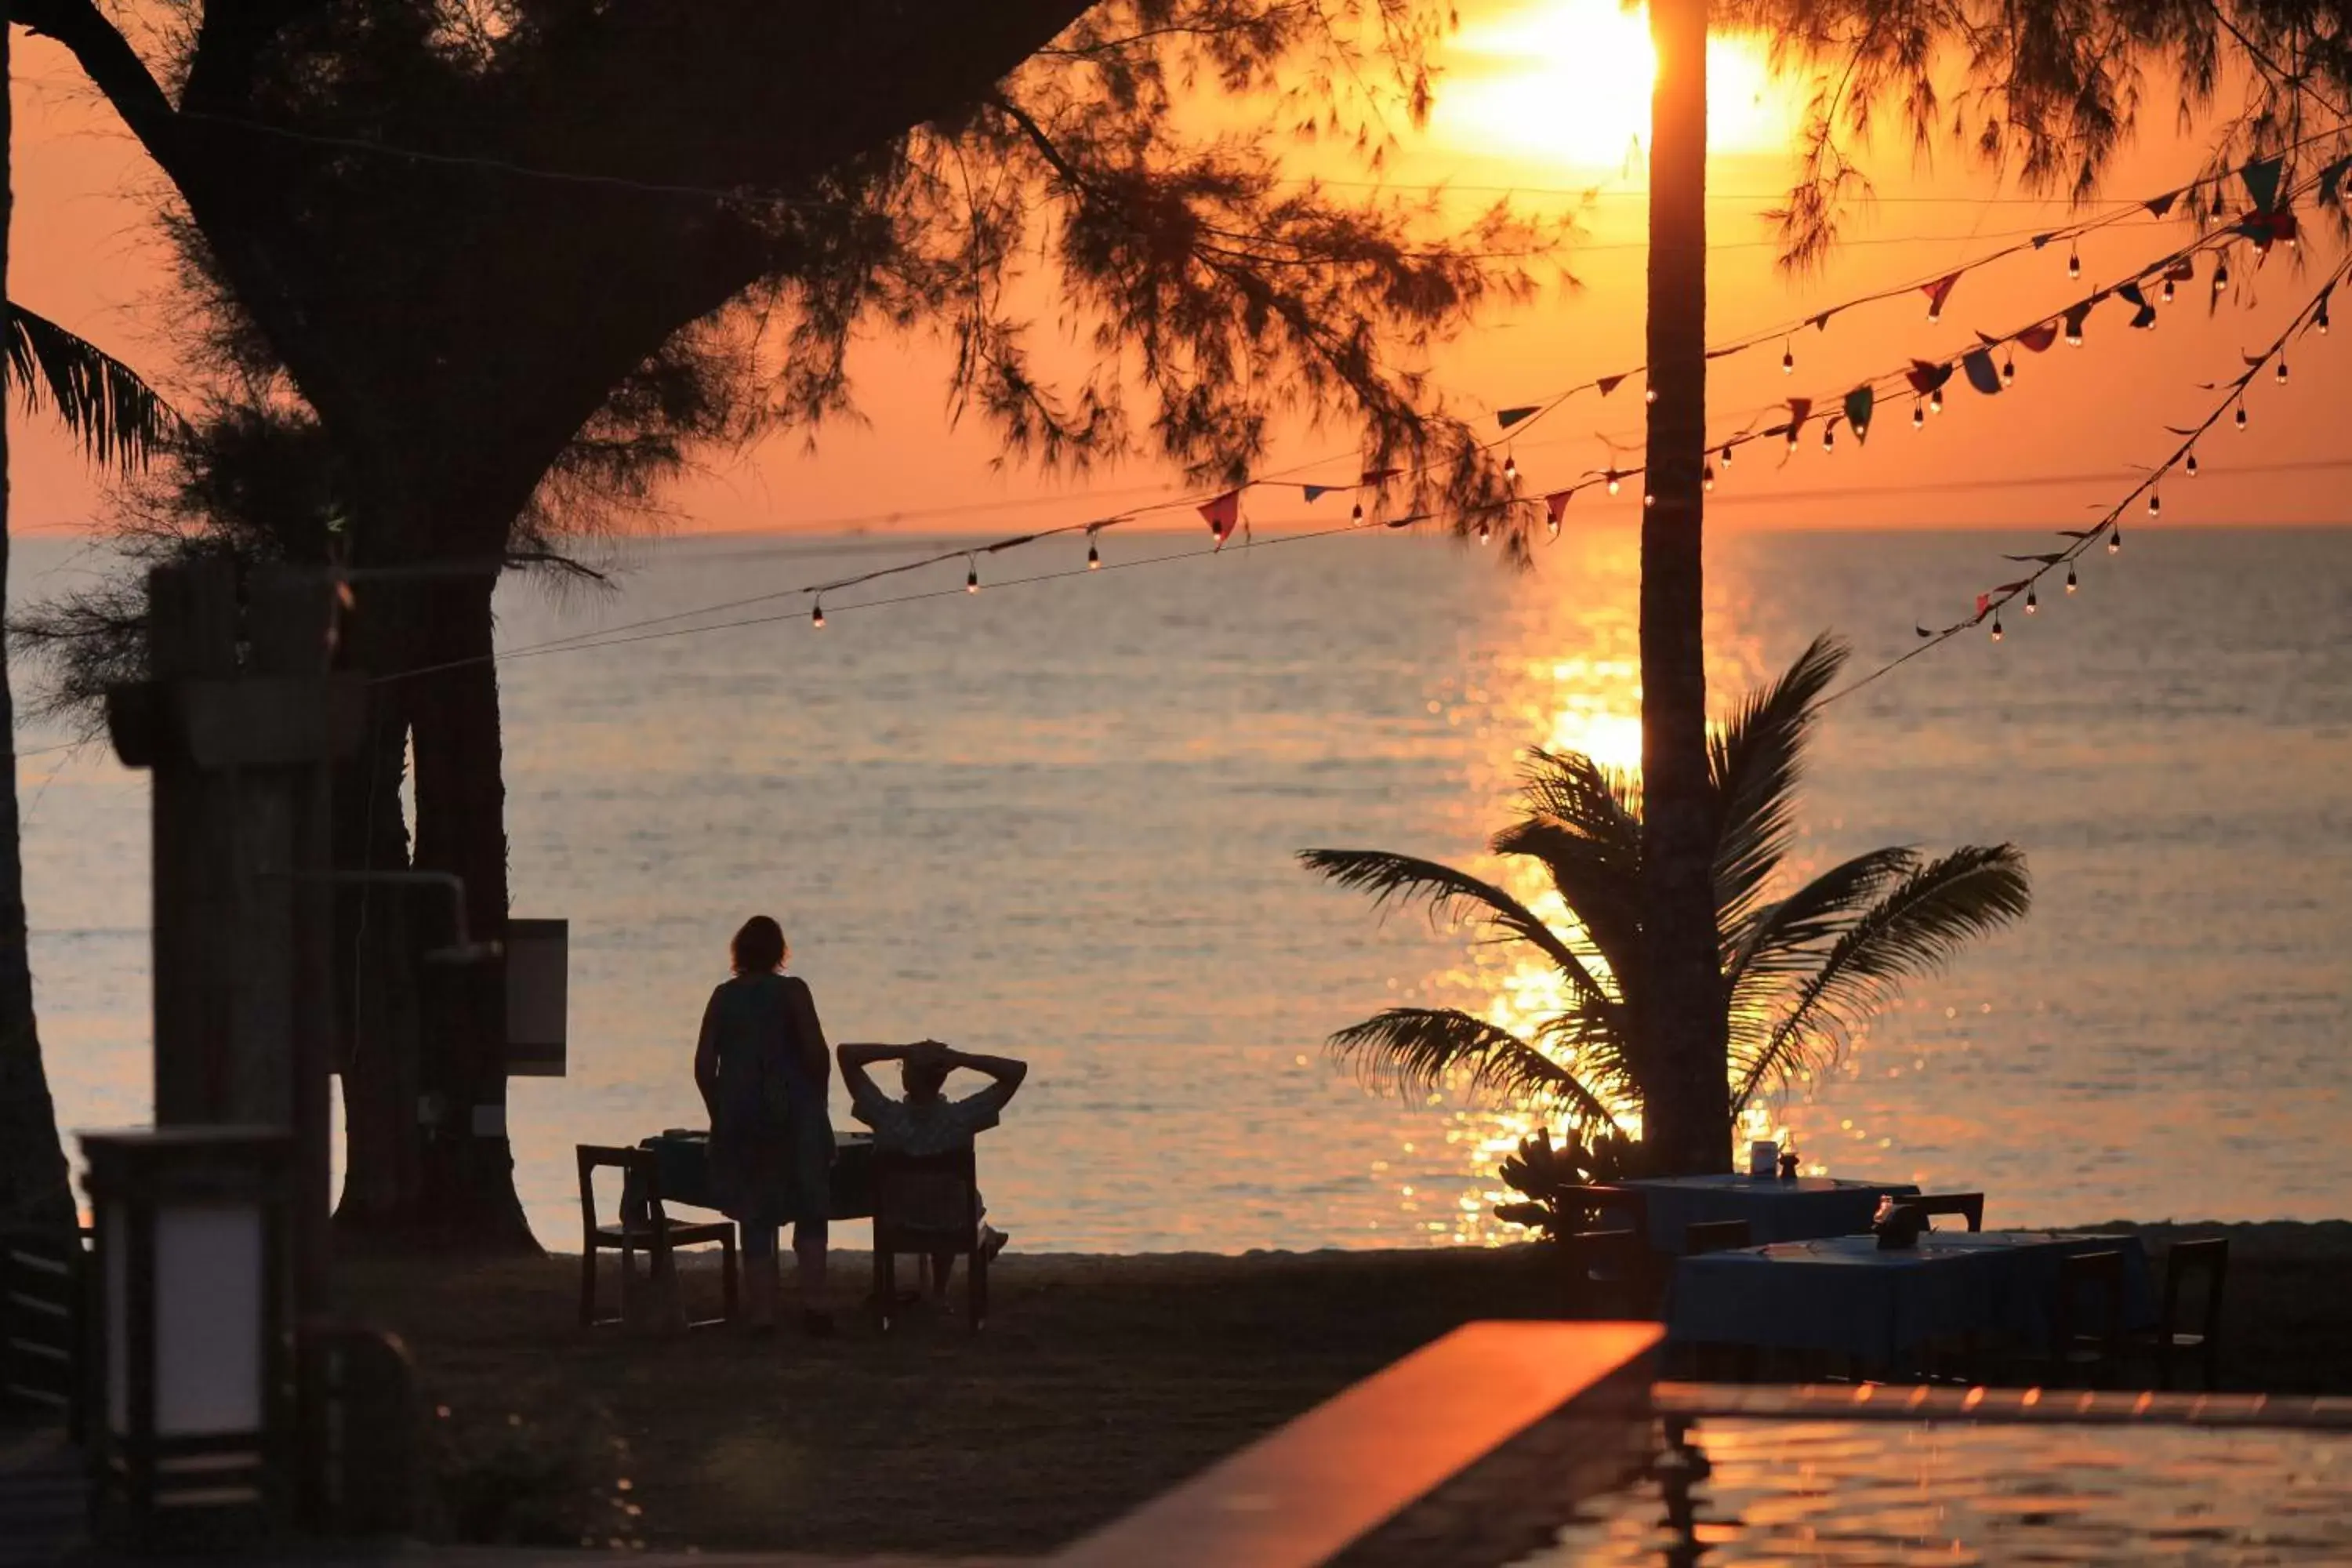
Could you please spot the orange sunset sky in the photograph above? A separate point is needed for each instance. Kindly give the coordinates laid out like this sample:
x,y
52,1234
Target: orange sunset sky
x,y
1546,98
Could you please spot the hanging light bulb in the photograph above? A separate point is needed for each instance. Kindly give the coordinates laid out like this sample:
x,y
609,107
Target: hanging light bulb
x,y
1551,527
2071,584
1648,499
1706,476
971,578
1727,454
1649,394
2073,333
1357,515
816,616
1094,557
1788,361
1918,414
2008,370
2031,603
2073,260
2281,377
1996,628
2115,536
2321,320
1829,438
1792,437
2189,466
2168,290
1612,481
2240,419
1510,467
1482,530
2155,505
1862,432
2220,273
1936,401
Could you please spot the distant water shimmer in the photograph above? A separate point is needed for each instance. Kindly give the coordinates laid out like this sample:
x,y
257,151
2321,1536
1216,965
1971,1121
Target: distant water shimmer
x,y
1057,821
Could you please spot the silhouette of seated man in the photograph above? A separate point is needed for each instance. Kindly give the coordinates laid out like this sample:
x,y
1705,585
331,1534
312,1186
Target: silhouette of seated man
x,y
927,1122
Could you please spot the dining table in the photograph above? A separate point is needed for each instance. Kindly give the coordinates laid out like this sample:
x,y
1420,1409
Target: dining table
x,y
1848,1295
1777,1208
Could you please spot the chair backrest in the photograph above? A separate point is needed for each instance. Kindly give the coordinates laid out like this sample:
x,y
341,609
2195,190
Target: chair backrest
x,y
1967,1206
2098,1275
1714,1236
44,1319
1612,1208
926,1202
639,1163
2209,1258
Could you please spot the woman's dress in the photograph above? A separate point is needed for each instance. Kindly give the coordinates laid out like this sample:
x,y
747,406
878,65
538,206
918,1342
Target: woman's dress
x,y
770,1137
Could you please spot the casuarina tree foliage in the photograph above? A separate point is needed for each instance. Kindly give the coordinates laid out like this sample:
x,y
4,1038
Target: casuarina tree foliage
x,y
1803,966
512,260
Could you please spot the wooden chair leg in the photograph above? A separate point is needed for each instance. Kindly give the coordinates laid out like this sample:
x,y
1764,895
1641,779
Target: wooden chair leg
x,y
885,1286
588,1283
976,1282
629,1310
727,1272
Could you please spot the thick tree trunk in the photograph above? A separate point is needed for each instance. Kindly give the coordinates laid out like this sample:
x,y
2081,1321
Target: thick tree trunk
x,y
33,1185
461,785
1687,1118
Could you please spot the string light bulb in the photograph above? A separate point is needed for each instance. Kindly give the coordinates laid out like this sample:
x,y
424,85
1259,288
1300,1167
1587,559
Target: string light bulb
x,y
1727,454
2072,584
1649,394
2155,504
2167,292
1510,466
1482,530
2220,273
971,578
1551,525
1094,557
2073,260
1829,438
1936,401
2008,370
2320,321
816,615
1612,481
1918,415
2189,467
2073,333
2031,603
1358,514
1706,476
2240,419
2281,377
1792,437
1996,628
1649,499
1788,361
2116,535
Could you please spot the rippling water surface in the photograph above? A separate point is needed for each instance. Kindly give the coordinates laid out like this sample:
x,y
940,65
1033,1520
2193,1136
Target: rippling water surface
x,y
1058,821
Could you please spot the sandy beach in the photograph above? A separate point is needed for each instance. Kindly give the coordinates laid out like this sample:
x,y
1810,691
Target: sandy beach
x,y
1100,1380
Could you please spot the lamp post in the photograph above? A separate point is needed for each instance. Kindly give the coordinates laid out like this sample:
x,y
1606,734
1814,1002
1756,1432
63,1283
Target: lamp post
x,y
189,1445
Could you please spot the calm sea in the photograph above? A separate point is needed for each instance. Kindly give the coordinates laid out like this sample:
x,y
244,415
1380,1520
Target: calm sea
x,y
1057,821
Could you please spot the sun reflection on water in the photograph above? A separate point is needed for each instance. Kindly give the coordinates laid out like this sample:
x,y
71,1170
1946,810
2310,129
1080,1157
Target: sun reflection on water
x,y
1562,672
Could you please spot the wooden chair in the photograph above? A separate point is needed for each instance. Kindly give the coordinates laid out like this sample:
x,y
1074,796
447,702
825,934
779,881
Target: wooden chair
x,y
912,1195
1714,1236
2087,1326
651,1229
1608,1275
1967,1206
2209,1260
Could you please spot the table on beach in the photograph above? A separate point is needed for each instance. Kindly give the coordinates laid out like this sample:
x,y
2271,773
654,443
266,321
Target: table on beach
x,y
682,1171
1844,1294
1795,1208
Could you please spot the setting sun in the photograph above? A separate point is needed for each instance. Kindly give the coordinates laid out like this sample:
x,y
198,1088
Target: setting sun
x,y
1569,81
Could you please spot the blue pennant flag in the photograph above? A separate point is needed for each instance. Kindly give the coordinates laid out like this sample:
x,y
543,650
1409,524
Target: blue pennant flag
x,y
1977,366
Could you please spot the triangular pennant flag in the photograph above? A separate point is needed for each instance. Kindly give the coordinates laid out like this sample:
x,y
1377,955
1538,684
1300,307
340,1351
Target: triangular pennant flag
x,y
1608,384
1979,364
2012,587
1821,323
1222,514
1937,292
1858,404
2283,226
1510,416
2076,316
2331,182
2143,314
1316,492
1374,475
1926,375
2052,559
2261,177
2038,338
1984,603
2163,203
1556,503
2182,271
2041,240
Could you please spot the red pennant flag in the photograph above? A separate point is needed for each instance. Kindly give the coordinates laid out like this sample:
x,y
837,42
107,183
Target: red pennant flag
x,y
1798,409
1609,383
2039,339
1556,504
1224,514
1937,292
1926,375
1984,603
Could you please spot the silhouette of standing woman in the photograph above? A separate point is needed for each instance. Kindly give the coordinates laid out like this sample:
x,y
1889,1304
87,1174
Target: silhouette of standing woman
x,y
763,1070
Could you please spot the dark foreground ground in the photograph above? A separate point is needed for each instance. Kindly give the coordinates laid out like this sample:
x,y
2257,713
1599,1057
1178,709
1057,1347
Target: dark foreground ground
x,y
1098,1382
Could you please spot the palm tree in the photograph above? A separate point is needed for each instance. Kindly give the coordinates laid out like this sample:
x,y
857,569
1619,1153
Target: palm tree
x,y
1801,970
119,420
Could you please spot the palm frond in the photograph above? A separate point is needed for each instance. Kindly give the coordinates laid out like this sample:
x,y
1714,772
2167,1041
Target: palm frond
x,y
119,420
1570,787
1754,763
1915,929
1419,1050
1405,877
1600,887
1792,935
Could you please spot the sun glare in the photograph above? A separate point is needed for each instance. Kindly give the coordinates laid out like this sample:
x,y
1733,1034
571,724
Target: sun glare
x,y
1567,81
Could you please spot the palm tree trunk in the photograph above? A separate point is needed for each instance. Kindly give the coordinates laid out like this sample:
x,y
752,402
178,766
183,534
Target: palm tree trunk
x,y
33,1185
1686,1117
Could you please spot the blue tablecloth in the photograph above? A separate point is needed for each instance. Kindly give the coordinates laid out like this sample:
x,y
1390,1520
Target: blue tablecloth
x,y
1843,1294
1797,1209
